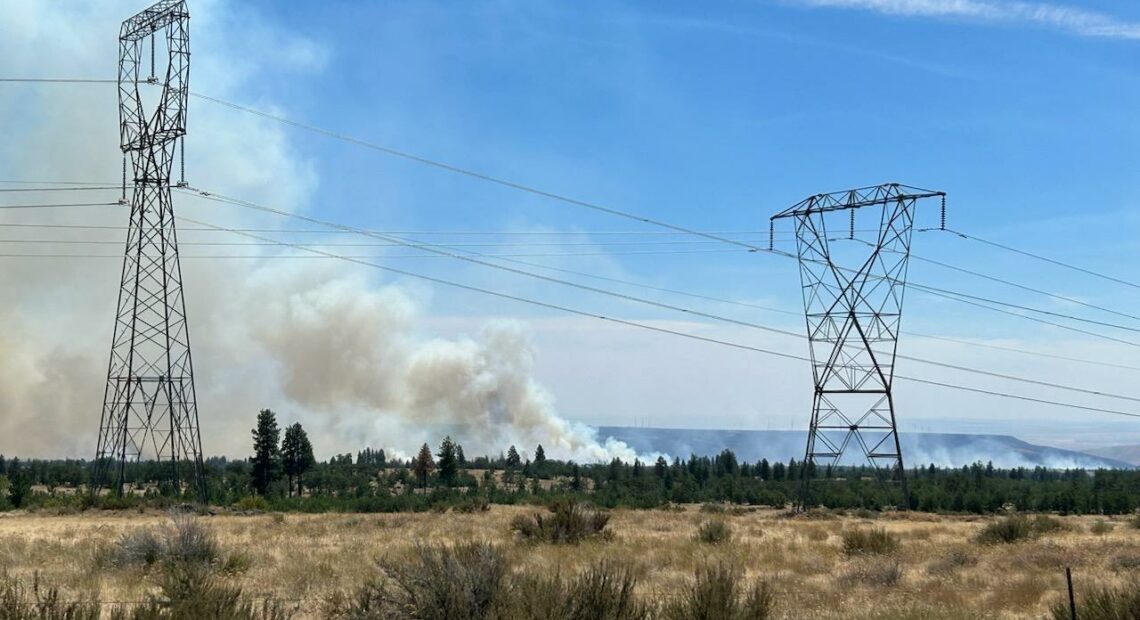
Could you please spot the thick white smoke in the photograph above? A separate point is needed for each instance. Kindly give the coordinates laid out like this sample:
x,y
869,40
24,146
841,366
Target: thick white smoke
x,y
328,345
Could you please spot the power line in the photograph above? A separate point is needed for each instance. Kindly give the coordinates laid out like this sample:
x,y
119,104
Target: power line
x,y
471,258
474,174
58,81
654,328
378,256
1046,259
57,205
9,190
1023,287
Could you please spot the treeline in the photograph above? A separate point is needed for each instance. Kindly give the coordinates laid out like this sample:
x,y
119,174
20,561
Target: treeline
x,y
283,475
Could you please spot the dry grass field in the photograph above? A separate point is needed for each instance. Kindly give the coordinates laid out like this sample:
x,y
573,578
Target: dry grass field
x,y
938,570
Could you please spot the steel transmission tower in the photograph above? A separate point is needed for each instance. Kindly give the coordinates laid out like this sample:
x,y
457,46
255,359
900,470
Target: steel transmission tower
x,y
149,406
853,298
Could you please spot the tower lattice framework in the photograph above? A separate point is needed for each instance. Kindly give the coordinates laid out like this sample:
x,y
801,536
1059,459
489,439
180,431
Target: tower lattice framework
x,y
853,292
149,405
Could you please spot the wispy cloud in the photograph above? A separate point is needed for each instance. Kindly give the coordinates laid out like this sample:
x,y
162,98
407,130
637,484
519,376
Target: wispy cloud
x,y
1074,20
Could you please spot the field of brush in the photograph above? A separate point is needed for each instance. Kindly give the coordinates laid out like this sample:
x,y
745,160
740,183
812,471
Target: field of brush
x,y
820,565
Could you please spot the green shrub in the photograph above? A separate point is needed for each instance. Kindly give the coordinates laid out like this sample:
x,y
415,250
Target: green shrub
x,y
714,532
1045,524
568,522
254,503
718,592
1006,530
1102,603
1101,527
874,541
473,504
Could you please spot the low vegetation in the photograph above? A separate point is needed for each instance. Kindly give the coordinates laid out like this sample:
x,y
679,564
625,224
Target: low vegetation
x,y
873,541
247,565
1103,603
566,522
714,532
1017,527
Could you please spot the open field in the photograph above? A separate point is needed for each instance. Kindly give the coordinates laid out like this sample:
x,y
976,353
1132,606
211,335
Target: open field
x,y
941,571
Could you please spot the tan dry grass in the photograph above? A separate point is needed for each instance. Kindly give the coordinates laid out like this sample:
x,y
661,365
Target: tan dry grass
x,y
306,557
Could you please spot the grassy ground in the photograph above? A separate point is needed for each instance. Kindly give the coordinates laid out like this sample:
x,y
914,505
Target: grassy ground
x,y
937,571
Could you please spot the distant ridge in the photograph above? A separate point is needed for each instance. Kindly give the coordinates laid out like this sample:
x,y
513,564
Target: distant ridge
x,y
941,449
1130,454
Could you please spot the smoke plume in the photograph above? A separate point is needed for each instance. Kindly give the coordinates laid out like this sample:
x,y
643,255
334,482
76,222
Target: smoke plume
x,y
330,346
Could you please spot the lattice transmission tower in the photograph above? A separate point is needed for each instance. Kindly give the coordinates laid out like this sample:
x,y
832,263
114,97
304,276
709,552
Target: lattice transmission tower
x,y
853,298
149,408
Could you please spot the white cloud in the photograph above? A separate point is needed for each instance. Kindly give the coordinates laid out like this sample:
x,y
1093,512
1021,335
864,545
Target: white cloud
x,y
1075,20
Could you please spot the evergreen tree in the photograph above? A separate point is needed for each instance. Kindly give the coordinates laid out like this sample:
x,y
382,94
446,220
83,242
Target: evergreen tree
x,y
448,461
513,459
297,456
20,480
459,457
660,467
266,453
539,456
422,465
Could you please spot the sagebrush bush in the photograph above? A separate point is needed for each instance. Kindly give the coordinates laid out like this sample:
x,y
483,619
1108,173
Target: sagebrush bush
x,y
1006,530
1045,524
189,590
20,602
184,540
714,532
605,591
876,572
951,562
1102,603
1101,527
719,592
874,541
567,522
464,582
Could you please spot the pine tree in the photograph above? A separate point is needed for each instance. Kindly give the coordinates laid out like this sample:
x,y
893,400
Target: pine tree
x,y
266,453
21,484
539,455
660,467
296,456
423,465
462,460
765,469
513,459
448,462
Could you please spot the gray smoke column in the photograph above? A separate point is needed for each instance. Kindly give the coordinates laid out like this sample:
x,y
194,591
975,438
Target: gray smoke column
x,y
349,352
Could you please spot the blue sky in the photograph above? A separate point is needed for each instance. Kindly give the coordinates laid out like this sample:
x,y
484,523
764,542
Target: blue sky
x,y
709,116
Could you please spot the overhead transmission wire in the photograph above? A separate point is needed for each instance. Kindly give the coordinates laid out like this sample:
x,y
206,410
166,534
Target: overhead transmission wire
x,y
567,199
1023,287
1046,259
654,328
476,258
574,201
520,186
57,205
540,192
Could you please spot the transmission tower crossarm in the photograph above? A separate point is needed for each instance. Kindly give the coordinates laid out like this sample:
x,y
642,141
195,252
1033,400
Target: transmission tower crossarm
x,y
855,199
